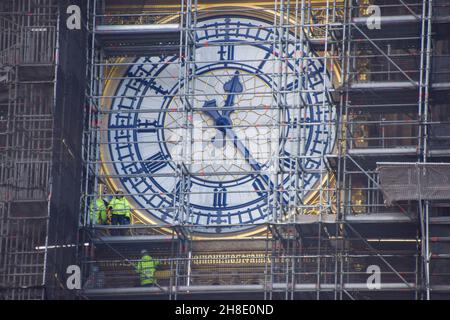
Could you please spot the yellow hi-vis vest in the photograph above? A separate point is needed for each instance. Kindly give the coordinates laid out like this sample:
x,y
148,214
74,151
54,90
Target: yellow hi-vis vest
x,y
146,269
98,216
120,206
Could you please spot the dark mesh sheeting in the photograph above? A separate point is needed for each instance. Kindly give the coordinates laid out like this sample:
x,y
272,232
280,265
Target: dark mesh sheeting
x,y
414,181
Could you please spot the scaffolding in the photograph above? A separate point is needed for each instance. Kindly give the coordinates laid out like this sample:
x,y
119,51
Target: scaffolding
x,y
31,163
27,42
324,225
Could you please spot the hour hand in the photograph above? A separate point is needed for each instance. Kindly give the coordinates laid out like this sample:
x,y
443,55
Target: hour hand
x,y
219,121
206,108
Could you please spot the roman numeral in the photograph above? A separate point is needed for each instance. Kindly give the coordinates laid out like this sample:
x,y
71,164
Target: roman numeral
x,y
154,163
266,57
294,85
177,190
220,198
260,186
287,161
148,126
226,52
144,77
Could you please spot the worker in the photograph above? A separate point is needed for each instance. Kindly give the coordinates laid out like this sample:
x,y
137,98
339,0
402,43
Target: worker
x,y
107,200
120,209
98,211
146,268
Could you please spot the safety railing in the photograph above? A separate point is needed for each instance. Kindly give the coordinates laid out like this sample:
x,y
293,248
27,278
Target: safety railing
x,y
383,133
265,271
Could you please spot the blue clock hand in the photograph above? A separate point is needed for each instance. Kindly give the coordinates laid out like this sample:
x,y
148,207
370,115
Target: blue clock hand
x,y
212,113
241,147
248,157
224,125
226,129
222,122
232,86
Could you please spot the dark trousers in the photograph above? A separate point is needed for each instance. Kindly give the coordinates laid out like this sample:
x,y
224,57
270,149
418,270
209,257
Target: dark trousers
x,y
120,219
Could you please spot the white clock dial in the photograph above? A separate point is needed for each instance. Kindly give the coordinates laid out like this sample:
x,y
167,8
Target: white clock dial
x,y
238,132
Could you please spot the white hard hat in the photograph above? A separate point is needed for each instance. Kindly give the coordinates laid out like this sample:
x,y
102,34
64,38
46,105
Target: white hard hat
x,y
143,251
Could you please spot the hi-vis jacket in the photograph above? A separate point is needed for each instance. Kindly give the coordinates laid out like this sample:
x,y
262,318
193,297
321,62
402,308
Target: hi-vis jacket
x,y
146,269
120,206
98,216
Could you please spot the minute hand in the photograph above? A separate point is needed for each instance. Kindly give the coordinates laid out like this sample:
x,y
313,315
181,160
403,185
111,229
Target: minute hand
x,y
241,147
248,157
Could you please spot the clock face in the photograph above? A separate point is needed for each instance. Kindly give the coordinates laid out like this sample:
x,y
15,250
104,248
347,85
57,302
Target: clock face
x,y
246,123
